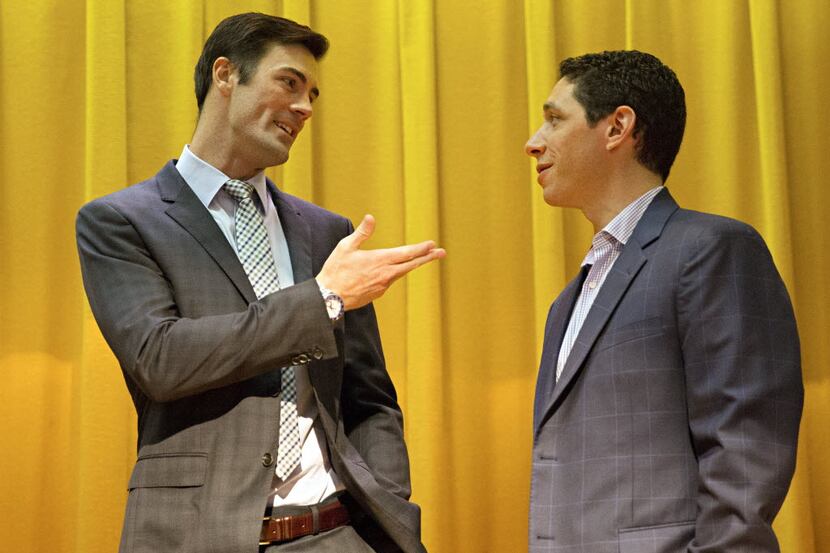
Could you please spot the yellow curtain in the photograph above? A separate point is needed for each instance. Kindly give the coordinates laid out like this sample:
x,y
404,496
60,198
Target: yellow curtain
x,y
425,108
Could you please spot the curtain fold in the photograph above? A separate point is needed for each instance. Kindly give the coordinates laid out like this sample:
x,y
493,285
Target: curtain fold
x,y
425,393
424,110
298,176
101,419
769,111
548,231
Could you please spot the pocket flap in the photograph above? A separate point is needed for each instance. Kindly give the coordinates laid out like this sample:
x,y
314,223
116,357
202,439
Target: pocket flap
x,y
170,470
665,537
632,331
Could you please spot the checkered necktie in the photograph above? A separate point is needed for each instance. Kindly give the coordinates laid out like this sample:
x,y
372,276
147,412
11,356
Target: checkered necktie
x,y
254,252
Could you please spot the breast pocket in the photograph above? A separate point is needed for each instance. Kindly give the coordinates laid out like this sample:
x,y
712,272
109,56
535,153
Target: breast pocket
x,y
628,332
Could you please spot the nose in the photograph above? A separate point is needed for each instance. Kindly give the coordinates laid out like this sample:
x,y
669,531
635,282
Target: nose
x,y
535,146
302,107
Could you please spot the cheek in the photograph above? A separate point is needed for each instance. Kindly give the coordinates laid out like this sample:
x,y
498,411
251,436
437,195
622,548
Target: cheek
x,y
555,145
241,112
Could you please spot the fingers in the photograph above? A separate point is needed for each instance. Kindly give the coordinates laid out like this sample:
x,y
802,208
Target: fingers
x,y
420,253
401,254
406,266
363,231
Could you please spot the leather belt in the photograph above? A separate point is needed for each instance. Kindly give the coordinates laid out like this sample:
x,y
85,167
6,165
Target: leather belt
x,y
313,520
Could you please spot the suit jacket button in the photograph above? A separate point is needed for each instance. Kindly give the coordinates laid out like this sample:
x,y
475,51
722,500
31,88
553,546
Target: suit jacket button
x,y
317,353
267,460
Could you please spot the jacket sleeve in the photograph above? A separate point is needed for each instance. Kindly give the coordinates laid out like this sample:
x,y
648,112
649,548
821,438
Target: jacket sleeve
x,y
744,390
170,356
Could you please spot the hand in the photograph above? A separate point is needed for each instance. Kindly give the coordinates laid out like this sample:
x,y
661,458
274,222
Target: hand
x,y
360,276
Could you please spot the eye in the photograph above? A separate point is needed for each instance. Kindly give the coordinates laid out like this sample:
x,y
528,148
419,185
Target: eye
x,y
291,82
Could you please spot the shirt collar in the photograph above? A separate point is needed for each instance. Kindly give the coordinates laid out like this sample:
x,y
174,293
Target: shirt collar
x,y
206,180
621,227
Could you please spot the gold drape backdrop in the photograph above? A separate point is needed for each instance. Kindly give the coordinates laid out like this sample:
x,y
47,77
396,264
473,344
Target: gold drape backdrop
x,y
424,112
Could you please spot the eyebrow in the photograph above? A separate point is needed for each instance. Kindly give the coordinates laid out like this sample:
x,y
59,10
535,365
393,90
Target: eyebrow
x,y
550,106
300,75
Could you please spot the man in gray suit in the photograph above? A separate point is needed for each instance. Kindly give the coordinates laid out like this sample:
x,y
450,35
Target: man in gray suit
x,y
265,415
669,391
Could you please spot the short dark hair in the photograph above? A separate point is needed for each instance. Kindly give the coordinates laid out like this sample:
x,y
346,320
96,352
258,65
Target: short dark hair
x,y
244,39
607,80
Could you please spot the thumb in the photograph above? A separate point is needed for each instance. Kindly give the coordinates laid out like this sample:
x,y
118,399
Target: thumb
x,y
363,231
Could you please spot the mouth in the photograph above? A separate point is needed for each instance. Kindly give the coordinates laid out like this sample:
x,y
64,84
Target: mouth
x,y
543,167
290,131
540,170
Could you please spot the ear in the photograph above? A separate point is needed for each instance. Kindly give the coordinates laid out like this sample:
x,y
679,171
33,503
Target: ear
x,y
620,127
224,75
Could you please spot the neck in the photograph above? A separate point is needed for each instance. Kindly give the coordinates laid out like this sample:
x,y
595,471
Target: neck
x,y
212,143
621,188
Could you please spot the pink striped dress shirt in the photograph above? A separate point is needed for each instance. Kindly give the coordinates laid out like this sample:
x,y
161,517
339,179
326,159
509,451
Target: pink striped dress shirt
x,y
605,249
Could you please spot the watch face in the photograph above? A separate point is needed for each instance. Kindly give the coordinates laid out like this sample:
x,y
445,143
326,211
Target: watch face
x,y
334,306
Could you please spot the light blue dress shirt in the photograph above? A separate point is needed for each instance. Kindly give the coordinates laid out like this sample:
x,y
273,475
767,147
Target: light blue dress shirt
x,y
207,182
315,480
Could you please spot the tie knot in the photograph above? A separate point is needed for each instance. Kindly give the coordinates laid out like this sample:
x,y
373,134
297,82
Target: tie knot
x,y
239,190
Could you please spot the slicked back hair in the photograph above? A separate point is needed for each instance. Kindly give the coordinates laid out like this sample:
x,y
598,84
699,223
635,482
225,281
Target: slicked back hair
x,y
244,39
607,80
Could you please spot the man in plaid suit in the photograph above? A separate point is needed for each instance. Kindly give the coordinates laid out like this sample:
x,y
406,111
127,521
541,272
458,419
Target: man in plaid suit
x,y
669,391
223,299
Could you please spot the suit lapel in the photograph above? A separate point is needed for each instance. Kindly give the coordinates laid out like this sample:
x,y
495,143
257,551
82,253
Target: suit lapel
x,y
191,214
554,334
628,264
325,381
626,267
297,234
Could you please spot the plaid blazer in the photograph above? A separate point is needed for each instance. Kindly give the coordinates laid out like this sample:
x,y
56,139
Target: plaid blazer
x,y
201,357
673,426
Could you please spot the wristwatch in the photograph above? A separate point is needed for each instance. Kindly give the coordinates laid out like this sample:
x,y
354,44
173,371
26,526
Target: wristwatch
x,y
334,304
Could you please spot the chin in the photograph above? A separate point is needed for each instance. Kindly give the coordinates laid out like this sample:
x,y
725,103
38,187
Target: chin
x,y
560,193
551,196
276,157
279,160
557,198
553,201
268,152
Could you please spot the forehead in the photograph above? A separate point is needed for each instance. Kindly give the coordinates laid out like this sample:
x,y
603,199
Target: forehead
x,y
289,56
562,97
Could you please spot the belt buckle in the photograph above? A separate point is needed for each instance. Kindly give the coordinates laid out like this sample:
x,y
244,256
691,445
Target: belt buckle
x,y
281,529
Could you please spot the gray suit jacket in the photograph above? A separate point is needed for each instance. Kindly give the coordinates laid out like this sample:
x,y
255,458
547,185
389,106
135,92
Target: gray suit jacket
x,y
201,359
673,427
